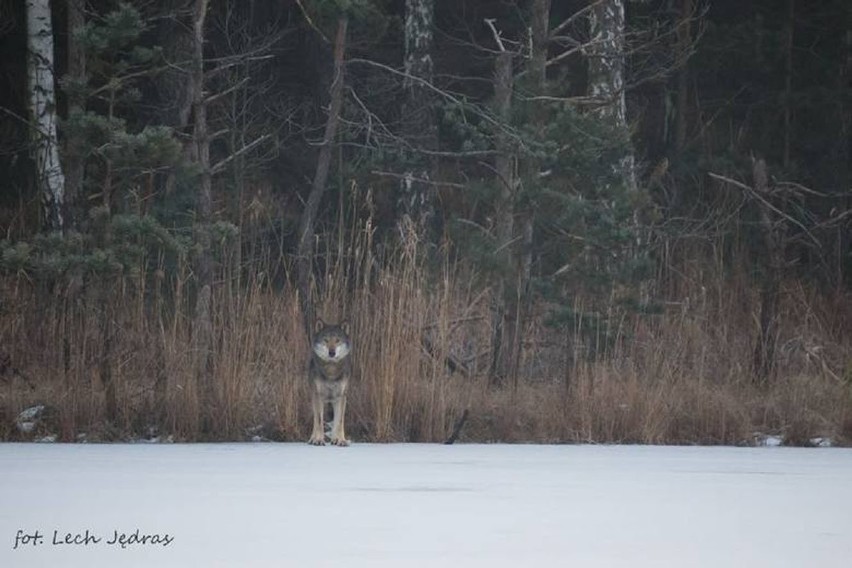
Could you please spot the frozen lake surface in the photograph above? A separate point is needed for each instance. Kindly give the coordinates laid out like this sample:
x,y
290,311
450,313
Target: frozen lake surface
x,y
401,505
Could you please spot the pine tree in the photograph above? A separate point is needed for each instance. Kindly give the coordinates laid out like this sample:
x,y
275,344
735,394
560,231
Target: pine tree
x,y
119,155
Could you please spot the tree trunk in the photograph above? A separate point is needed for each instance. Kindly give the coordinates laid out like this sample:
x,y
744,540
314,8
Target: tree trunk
x,y
514,226
308,221
606,76
845,144
203,322
417,198
847,106
173,85
42,97
770,293
788,82
106,331
74,161
502,311
161,376
684,44
532,170
176,37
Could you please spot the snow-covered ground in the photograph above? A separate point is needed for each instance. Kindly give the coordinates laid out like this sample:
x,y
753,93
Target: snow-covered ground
x,y
400,505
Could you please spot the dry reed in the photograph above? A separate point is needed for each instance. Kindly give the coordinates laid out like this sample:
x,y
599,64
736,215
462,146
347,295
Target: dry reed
x,y
682,377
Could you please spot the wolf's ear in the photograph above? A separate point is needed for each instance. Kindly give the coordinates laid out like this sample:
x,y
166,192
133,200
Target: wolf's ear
x,y
344,325
318,325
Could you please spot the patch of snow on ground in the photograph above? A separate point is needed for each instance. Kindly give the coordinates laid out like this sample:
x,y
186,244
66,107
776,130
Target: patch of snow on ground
x,y
401,505
31,413
768,440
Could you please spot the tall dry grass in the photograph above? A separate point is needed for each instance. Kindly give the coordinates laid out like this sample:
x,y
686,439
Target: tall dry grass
x,y
682,377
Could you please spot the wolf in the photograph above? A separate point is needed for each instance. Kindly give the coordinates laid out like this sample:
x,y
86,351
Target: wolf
x,y
329,370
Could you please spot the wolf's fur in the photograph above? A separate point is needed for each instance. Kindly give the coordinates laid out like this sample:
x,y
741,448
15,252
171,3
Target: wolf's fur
x,y
328,372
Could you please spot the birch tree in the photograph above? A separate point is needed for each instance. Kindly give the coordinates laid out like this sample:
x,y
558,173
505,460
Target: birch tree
x,y
42,98
606,75
416,197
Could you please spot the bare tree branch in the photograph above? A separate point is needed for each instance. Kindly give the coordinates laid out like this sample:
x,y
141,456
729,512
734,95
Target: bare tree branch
x,y
573,17
497,35
418,180
227,91
220,165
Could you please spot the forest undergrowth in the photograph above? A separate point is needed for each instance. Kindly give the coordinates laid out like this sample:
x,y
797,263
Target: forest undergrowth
x,y
115,360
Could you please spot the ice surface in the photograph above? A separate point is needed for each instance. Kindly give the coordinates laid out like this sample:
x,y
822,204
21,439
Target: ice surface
x,y
404,505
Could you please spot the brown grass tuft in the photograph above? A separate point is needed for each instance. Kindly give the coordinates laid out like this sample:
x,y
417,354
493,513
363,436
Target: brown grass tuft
x,y
682,377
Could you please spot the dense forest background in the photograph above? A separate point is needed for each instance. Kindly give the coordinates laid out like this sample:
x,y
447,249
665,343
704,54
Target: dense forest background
x,y
590,220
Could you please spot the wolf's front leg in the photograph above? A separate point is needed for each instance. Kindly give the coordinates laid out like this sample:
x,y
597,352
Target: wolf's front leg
x,y
338,437
317,435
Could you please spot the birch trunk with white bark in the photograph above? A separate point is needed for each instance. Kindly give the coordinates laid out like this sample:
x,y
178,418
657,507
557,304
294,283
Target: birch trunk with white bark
x,y
42,98
416,193
606,75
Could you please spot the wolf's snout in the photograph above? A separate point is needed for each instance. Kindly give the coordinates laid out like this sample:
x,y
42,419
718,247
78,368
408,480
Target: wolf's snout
x,y
331,352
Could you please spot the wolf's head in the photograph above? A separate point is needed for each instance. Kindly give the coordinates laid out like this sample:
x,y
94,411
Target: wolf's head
x,y
331,342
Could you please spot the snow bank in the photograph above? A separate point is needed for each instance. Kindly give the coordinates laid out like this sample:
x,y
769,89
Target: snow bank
x,y
424,505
